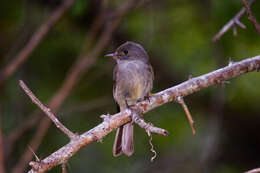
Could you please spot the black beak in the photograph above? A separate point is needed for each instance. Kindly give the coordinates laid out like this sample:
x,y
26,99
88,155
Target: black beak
x,y
111,55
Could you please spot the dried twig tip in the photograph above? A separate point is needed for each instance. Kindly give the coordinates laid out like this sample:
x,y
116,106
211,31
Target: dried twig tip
x,y
240,24
185,107
105,117
230,61
36,157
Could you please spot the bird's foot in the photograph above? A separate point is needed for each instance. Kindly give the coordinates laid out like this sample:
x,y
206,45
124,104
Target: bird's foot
x,y
147,97
127,105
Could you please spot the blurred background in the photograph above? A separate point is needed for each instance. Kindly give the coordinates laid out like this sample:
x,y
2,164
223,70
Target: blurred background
x,y
61,46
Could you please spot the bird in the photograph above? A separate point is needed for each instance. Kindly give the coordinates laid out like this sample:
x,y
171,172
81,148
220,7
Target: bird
x,y
133,80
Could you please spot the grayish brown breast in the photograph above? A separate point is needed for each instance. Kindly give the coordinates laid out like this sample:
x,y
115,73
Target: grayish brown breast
x,y
133,80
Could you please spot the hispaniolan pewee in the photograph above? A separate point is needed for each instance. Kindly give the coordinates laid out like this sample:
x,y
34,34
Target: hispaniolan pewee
x,y
133,81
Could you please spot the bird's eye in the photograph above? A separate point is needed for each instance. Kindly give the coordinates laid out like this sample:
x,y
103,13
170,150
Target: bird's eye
x,y
125,52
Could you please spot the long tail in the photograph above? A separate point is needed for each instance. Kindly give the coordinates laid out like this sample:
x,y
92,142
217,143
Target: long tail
x,y
124,140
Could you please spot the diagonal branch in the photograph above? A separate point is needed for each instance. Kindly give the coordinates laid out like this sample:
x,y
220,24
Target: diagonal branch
x,y
47,111
233,23
114,121
36,38
251,17
188,114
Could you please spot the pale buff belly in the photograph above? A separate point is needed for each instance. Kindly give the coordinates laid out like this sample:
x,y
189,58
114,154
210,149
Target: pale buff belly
x,y
133,83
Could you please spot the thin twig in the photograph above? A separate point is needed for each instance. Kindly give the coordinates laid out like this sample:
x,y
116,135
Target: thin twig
x,y
36,157
256,170
186,109
251,17
81,66
114,121
149,127
47,111
233,23
24,54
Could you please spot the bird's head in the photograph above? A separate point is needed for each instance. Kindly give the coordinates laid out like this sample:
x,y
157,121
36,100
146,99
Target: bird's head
x,y
129,51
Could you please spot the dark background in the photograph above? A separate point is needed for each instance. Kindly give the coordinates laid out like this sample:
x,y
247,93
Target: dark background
x,y
177,35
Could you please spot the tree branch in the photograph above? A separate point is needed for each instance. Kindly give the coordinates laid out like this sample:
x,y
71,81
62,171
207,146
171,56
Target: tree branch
x,y
233,23
171,94
47,111
36,38
251,16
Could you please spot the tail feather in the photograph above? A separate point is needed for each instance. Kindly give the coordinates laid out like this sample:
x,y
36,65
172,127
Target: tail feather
x,y
117,148
128,139
124,140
